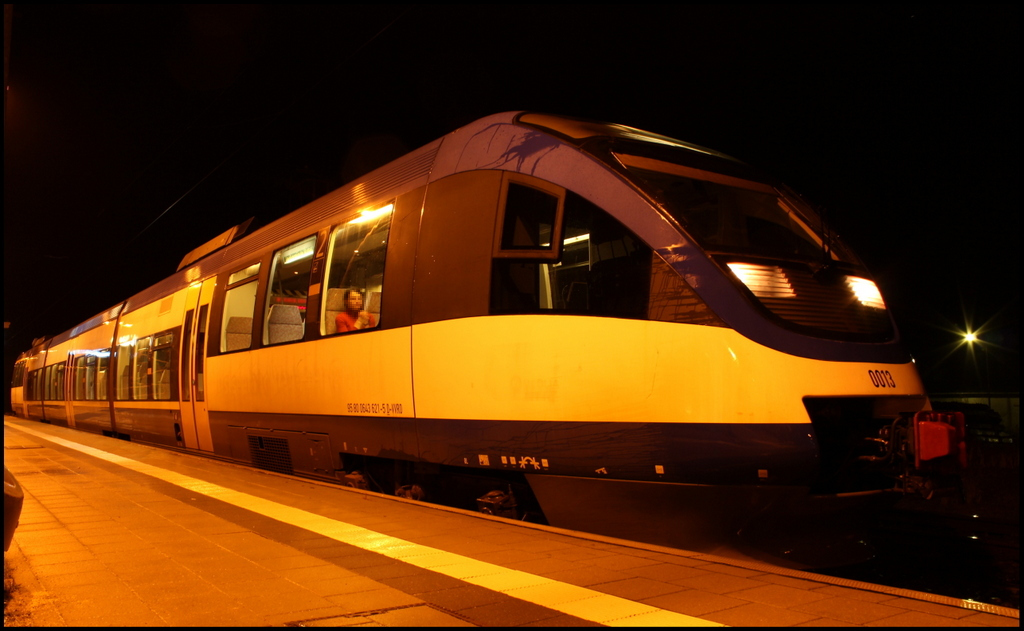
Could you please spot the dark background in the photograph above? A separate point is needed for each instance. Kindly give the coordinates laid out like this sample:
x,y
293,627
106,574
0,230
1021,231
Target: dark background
x,y
133,134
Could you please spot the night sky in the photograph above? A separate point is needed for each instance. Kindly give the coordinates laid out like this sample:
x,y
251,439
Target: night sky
x,y
133,134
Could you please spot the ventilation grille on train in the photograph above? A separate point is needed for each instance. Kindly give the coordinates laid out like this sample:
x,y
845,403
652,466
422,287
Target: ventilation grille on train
x,y
270,453
797,297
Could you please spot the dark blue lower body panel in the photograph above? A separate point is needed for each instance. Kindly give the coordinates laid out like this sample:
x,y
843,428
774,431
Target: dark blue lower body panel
x,y
690,453
682,453
707,487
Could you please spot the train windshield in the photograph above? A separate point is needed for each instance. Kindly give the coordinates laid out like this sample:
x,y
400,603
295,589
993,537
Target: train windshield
x,y
732,215
723,204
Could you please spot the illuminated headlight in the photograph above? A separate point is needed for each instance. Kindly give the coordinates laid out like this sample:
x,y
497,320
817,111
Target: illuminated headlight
x,y
866,291
764,281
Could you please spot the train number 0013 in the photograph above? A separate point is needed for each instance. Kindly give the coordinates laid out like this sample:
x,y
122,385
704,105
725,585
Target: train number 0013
x,y
882,379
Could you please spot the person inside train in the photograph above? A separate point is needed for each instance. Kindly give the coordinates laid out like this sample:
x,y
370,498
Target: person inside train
x,y
353,317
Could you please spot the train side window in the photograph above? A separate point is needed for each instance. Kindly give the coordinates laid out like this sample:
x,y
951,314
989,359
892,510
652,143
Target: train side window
x,y
90,374
143,373
600,268
102,366
45,389
54,382
239,305
145,369
34,391
17,378
285,312
85,377
35,385
200,365
59,374
27,381
124,369
163,366
356,263
79,370
46,383
89,378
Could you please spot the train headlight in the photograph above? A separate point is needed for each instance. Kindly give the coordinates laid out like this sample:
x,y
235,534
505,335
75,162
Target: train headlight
x,y
764,281
866,291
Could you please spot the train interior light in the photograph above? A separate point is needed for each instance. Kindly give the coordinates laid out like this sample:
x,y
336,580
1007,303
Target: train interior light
x,y
370,215
298,253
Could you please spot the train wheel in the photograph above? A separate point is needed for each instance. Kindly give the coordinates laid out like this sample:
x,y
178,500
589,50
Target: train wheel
x,y
412,492
356,481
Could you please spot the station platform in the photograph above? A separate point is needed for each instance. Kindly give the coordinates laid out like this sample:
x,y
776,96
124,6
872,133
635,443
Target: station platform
x,y
115,533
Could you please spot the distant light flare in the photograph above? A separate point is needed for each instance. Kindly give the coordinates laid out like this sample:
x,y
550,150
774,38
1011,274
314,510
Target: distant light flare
x,y
968,337
971,337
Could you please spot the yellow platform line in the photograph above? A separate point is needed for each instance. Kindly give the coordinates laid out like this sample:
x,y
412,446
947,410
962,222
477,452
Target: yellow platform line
x,y
573,600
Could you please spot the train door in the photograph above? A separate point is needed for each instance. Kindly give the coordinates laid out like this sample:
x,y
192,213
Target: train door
x,y
69,390
195,416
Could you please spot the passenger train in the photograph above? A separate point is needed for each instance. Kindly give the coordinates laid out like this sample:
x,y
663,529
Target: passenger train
x,y
546,318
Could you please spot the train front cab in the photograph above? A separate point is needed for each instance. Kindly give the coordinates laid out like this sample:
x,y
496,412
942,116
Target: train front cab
x,y
672,401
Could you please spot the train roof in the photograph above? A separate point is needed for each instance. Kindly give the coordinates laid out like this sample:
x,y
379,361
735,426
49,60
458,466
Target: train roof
x,y
412,170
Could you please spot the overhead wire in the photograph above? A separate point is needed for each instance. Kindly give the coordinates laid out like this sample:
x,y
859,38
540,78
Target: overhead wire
x,y
270,120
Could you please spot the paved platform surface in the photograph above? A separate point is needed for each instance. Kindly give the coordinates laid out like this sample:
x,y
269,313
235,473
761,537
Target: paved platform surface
x,y
115,533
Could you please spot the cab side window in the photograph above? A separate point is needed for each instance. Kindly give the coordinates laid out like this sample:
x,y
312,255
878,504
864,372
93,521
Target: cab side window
x,y
557,252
